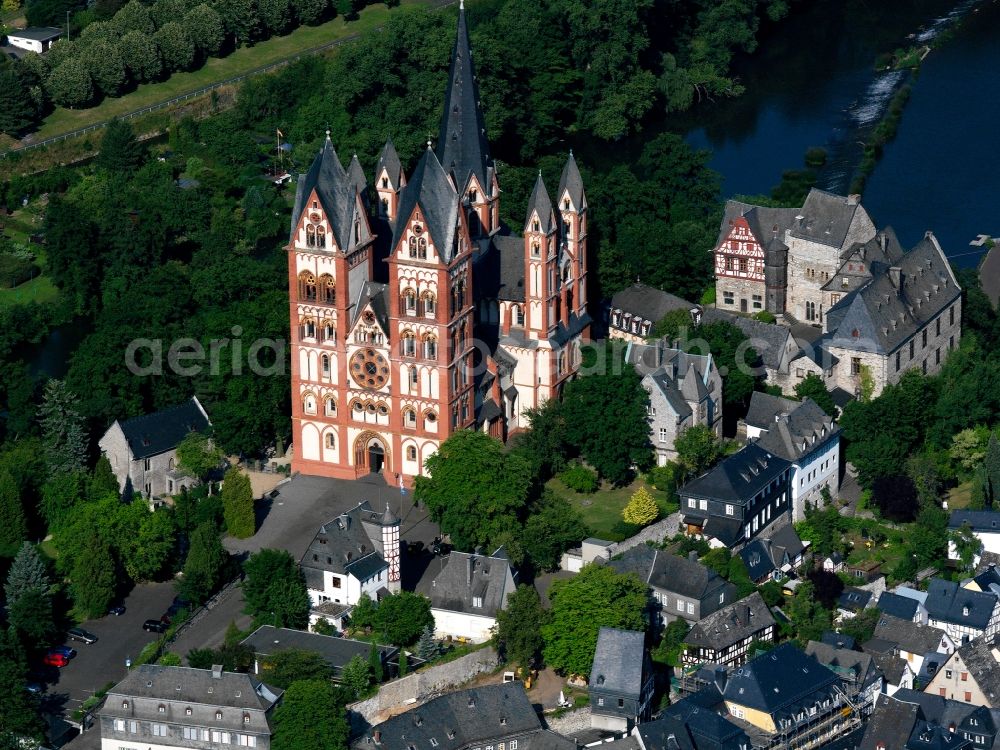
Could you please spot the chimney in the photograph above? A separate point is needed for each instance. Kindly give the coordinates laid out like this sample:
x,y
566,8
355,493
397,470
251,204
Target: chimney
x,y
217,671
896,276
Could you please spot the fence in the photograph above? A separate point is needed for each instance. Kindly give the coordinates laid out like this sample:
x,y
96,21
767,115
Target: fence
x,y
318,49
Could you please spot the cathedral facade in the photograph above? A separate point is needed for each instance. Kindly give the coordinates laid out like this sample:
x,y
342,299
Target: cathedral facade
x,y
414,312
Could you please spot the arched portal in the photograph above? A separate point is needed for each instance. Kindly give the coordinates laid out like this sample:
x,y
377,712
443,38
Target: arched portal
x,y
370,453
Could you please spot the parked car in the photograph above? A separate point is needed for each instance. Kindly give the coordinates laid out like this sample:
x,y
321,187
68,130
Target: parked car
x,y
79,634
53,659
34,688
154,626
66,651
118,610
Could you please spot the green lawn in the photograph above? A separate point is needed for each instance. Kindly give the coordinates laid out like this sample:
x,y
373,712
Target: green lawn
x,y
39,289
602,511
23,223
216,69
960,497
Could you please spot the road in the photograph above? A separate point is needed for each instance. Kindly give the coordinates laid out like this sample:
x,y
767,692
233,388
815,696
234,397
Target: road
x,y
99,663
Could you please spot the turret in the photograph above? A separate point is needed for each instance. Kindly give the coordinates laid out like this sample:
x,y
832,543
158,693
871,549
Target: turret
x,y
776,275
389,181
390,547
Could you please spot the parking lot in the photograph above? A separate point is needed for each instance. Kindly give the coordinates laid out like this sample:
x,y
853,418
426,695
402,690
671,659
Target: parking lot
x,y
119,638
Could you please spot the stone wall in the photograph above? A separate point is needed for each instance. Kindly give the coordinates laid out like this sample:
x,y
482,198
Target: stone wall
x,y
400,695
656,532
742,289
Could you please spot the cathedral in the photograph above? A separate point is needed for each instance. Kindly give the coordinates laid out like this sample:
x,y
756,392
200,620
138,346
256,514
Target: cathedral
x,y
414,312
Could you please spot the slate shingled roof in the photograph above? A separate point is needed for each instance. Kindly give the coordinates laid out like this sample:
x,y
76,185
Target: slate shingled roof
x,y
572,181
898,606
509,250
337,194
453,582
739,477
769,340
890,725
267,640
854,599
648,302
541,203
798,433
618,662
778,680
204,691
887,312
691,727
826,218
343,542
978,520
978,658
950,603
432,191
849,664
765,409
765,222
152,434
731,624
456,720
680,575
909,635
463,148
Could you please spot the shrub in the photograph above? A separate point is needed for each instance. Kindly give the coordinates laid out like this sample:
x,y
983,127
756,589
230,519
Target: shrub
x,y
765,317
580,478
663,478
815,157
708,296
642,509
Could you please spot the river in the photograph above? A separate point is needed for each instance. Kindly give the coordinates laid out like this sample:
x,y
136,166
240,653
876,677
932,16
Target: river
x,y
812,83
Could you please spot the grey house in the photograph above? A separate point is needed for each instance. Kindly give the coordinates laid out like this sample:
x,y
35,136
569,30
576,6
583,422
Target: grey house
x,y
859,673
742,496
621,680
636,310
143,450
198,709
682,587
684,390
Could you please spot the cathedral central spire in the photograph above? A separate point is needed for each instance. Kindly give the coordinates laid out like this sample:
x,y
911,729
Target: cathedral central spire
x,y
462,146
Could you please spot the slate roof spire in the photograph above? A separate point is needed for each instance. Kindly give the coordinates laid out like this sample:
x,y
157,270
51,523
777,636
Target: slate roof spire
x,y
541,203
431,189
462,146
572,181
389,161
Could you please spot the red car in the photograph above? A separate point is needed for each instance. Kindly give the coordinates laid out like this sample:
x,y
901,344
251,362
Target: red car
x,y
54,659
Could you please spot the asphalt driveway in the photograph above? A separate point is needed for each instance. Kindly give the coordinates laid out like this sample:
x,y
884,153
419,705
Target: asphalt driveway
x,y
118,639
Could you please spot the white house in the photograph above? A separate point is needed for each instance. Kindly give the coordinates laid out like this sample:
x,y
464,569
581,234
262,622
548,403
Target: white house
x,y
910,641
805,436
353,554
984,525
964,614
34,39
467,590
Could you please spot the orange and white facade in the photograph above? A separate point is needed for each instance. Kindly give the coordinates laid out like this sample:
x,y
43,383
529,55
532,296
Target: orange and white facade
x,y
463,326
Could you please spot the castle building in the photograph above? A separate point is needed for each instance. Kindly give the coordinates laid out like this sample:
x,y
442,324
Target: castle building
x,y
465,325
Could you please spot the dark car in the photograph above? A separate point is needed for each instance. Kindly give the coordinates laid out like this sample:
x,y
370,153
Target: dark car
x,y
118,610
66,651
154,626
79,634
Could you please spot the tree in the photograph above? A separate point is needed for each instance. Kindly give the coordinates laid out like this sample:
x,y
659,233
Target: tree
x,y
20,720
896,497
552,527
375,664
356,676
427,647
206,562
60,494
671,326
274,15
474,489
206,29
518,632
141,56
812,386
546,444
93,579
861,627
596,597
149,541
991,466
104,63
62,429
309,11
605,416
400,618
642,509
176,47
733,355
69,84
808,616
133,16
17,110
698,450
403,665
363,614
32,617
290,665
13,524
103,482
309,717
241,19
27,574
967,545
275,589
237,499
120,151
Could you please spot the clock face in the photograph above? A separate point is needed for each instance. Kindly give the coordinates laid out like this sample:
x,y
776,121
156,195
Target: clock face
x,y
369,369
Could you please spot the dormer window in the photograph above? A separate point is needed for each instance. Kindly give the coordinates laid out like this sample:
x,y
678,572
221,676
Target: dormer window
x,y
246,718
535,227
218,715
477,601
187,711
125,704
161,708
